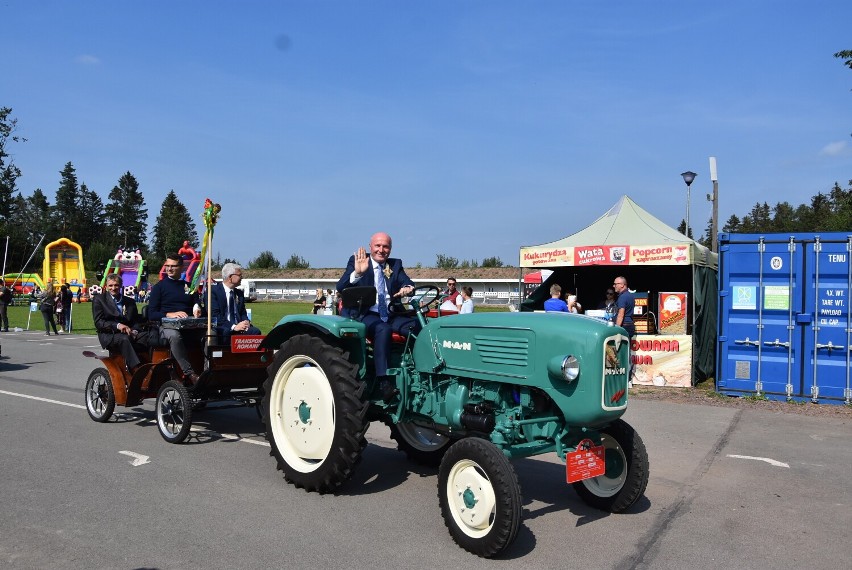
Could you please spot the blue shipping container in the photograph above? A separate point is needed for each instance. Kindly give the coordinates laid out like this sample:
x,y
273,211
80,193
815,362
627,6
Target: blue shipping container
x,y
784,322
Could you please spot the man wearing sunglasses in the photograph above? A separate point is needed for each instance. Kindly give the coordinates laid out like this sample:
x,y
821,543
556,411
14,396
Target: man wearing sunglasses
x,y
172,298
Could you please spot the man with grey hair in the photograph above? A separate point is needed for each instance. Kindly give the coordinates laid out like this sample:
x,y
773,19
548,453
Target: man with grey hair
x,y
228,305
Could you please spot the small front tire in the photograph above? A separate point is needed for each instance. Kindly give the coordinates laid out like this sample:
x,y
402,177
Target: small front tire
x,y
100,397
480,497
626,475
174,411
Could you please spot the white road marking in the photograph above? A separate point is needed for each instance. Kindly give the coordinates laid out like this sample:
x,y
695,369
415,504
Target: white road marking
x,y
772,462
138,458
231,436
80,406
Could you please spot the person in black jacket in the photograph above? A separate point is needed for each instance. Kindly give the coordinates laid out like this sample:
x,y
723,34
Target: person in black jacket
x,y
118,323
5,301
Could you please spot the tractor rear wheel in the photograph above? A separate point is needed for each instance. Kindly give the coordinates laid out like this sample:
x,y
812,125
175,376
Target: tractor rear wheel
x,y
314,414
480,497
626,473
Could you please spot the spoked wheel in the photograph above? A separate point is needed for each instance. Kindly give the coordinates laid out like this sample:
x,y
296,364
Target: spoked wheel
x,y
421,444
626,473
100,397
314,415
480,497
174,411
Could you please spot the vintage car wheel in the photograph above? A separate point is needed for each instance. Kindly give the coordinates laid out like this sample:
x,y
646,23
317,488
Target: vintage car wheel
x,y
174,411
421,444
100,397
480,497
314,415
626,471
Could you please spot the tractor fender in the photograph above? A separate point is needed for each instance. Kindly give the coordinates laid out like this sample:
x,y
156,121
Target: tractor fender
x,y
349,333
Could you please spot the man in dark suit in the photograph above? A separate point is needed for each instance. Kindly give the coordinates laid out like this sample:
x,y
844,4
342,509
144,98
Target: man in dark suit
x,y
117,322
386,274
228,305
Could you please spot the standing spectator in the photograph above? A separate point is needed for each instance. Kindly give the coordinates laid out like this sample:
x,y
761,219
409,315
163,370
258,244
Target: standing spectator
x,y
608,304
63,308
451,292
329,302
47,304
624,306
467,302
555,304
5,301
319,302
571,301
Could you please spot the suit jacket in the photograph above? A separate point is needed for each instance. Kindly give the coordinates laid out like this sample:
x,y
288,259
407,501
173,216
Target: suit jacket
x,y
219,308
107,317
397,280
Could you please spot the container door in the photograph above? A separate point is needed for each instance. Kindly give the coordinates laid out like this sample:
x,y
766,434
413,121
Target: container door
x,y
827,283
758,307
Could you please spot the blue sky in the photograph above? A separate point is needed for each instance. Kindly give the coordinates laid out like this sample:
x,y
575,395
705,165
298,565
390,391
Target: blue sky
x,y
461,128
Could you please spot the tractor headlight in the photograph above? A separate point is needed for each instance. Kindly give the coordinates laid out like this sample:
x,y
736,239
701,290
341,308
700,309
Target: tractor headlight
x,y
570,368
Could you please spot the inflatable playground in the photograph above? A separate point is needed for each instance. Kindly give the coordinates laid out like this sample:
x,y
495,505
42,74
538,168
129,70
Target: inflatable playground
x,y
191,259
128,263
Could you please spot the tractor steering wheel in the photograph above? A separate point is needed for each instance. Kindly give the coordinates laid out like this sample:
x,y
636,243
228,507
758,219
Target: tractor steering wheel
x,y
422,297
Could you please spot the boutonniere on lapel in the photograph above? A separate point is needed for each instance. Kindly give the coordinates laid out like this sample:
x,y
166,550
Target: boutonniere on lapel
x,y
387,271
186,289
124,310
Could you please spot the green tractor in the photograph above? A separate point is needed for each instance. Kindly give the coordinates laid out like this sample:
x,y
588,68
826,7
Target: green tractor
x,y
474,391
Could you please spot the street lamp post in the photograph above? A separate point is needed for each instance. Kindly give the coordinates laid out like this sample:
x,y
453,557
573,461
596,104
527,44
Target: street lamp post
x,y
688,177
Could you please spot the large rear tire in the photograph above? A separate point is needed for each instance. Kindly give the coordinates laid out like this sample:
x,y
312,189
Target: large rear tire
x,y
421,444
100,397
314,414
626,474
480,497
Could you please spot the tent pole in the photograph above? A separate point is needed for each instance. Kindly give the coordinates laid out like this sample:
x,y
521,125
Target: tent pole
x,y
692,338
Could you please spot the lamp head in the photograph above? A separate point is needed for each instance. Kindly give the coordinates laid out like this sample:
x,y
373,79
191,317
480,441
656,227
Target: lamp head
x,y
688,177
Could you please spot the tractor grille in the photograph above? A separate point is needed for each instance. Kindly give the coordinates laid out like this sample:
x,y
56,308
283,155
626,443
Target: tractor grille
x,y
501,350
616,371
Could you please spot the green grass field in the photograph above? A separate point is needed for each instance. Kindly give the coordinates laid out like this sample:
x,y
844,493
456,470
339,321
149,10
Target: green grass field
x,y
264,315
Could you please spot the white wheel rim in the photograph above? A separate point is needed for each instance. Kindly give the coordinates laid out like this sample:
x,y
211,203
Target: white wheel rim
x,y
471,498
605,486
302,413
422,438
96,404
170,412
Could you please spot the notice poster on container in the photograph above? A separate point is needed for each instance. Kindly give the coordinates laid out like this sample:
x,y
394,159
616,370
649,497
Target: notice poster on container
x,y
672,309
662,360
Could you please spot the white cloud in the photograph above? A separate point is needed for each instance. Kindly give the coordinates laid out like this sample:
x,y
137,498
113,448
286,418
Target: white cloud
x,y
87,60
834,149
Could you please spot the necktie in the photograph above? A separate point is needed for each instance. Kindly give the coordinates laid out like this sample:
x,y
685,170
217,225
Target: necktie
x,y
233,303
381,287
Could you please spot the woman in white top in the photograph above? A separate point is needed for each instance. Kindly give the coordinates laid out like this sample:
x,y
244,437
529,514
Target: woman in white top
x,y
467,302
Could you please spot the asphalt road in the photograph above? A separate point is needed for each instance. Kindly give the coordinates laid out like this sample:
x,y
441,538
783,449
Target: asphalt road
x,y
729,488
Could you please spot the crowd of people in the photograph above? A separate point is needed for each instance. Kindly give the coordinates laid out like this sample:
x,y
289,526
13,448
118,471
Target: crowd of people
x,y
618,303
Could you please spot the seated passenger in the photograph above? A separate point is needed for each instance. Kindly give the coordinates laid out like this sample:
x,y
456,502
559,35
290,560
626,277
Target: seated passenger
x,y
228,305
171,297
118,324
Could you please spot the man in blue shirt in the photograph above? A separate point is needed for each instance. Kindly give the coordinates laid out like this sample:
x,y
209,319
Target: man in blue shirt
x,y
624,306
555,303
172,297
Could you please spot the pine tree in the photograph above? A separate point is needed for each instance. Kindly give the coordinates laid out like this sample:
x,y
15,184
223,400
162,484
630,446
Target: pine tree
x,y
174,225
126,214
65,211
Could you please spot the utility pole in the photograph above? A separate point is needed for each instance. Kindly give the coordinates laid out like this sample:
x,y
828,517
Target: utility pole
x,y
714,223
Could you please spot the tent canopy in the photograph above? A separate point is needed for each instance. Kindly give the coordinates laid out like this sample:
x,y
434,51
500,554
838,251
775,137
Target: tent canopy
x,y
629,241
624,235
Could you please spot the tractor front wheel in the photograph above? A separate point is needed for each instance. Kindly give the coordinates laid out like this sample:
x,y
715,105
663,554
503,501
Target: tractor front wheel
x,y
480,497
626,473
